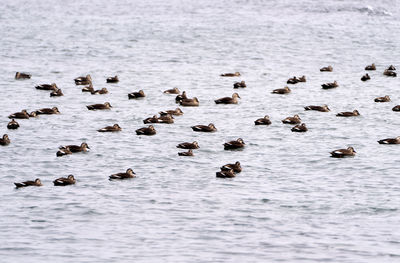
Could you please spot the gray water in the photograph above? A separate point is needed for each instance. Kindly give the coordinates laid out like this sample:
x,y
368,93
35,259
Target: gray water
x,y
291,203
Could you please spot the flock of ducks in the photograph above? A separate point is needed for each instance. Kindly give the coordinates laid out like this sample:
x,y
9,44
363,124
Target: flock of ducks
x,y
167,117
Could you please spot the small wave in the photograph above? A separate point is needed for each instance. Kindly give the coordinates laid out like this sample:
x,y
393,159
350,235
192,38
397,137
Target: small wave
x,y
369,10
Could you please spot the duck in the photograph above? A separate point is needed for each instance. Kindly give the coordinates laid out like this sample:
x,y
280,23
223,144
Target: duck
x,y
292,120
62,181
391,67
348,113
52,86
153,119
236,167
188,145
5,140
135,95
48,111
146,131
296,80
390,141
330,85
56,93
181,97
113,128
365,77
83,80
382,99
105,106
341,153
232,145
225,174
302,79
33,114
176,112
19,115
168,119
236,74
190,102
370,67
326,69
99,91
37,182
204,128
88,88
240,84
64,151
285,90
21,75
300,128
120,176
188,153
75,148
172,91
228,100
323,108
396,108
13,125
112,79
389,73
263,121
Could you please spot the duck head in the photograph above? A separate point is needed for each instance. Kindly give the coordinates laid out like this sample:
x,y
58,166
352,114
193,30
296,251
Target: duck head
x,y
38,182
108,104
84,145
235,95
351,149
130,171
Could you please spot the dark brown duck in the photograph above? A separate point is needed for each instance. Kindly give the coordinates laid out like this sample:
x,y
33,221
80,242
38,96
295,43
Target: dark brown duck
x,y
233,145
341,153
188,145
105,106
136,95
37,182
323,108
146,131
62,181
5,140
13,125
204,128
120,176
113,128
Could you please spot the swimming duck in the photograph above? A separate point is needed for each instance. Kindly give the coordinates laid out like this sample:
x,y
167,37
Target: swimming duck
x,y
396,108
113,79
47,111
349,152
62,181
389,73
64,151
382,99
330,85
19,115
99,91
56,93
113,128
226,174
166,119
135,95
88,88
390,141
188,145
236,74
83,80
365,77
176,112
153,119
188,153
328,69
348,113
236,167
295,80
5,140
52,86
21,75
391,67
232,145
172,91
37,182
228,100
263,121
105,106
323,108
240,84
13,125
190,102
285,90
33,114
292,120
204,128
299,128
370,67
181,97
75,148
146,131
120,176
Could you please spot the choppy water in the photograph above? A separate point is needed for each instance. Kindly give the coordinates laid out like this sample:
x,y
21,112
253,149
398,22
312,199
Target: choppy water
x,y
291,203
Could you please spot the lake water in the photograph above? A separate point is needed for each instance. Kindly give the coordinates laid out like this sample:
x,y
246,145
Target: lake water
x,y
291,203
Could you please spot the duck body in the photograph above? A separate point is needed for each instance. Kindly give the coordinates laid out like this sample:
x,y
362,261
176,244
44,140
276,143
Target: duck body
x,y
62,181
48,111
13,125
190,102
75,148
300,128
176,112
225,174
292,120
228,100
331,85
5,140
396,108
236,74
389,73
153,119
181,97
240,84
136,95
37,182
146,131
296,80
112,79
365,77
188,145
390,141
233,145
285,90
120,176
52,86
323,108
236,167
370,67
172,91
83,80
188,153
348,113
263,121
391,67
99,91
114,128
204,128
19,115
21,75
105,106
341,153
64,151
326,69
382,99
168,119
56,93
